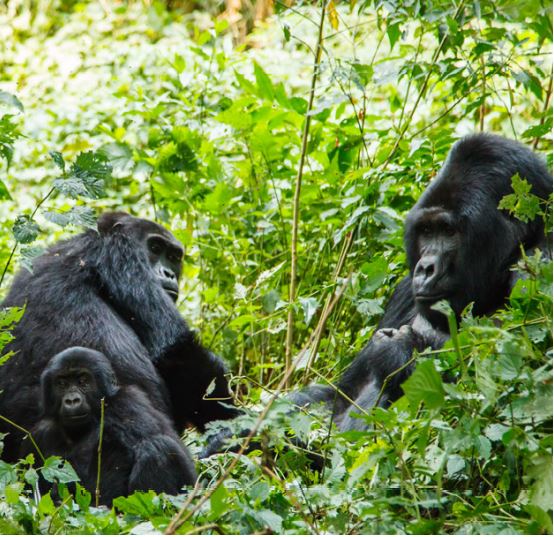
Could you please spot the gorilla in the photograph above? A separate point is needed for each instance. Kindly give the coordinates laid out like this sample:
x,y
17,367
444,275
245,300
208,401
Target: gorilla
x,y
460,248
140,449
111,290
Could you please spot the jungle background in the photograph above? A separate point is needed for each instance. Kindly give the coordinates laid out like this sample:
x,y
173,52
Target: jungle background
x,y
284,142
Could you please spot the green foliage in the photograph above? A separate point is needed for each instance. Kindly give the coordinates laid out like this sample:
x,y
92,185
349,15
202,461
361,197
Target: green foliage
x,y
163,117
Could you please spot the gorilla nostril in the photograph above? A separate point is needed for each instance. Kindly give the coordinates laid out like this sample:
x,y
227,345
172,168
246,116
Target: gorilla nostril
x,y
429,270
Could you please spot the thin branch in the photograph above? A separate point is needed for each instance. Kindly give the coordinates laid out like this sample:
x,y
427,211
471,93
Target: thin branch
x,y
28,433
297,190
99,460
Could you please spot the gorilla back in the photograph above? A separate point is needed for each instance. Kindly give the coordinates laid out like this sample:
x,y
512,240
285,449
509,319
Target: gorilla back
x,y
111,290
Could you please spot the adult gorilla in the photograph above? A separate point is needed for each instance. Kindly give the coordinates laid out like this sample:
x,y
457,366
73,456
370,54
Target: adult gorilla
x,y
140,449
460,248
111,290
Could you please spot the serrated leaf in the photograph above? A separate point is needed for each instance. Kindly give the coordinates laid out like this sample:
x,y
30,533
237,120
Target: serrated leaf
x,y
25,229
87,176
424,385
79,215
57,157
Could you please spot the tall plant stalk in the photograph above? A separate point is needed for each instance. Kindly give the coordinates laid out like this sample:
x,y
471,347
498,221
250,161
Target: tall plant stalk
x,y
298,189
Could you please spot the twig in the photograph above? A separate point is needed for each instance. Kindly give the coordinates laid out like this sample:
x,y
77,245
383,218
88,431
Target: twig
x,y
297,190
99,460
28,433
172,527
57,511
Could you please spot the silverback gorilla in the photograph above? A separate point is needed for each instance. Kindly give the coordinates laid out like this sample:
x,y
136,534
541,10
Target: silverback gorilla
x,y
460,248
140,449
111,290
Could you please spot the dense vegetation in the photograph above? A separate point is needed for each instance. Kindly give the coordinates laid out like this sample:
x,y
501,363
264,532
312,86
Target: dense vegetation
x,y
345,112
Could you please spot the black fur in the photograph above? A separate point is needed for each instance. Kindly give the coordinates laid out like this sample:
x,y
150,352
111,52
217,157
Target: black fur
x,y
99,290
140,449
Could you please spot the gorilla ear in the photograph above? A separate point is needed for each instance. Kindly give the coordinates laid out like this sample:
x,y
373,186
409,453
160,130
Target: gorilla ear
x,y
108,221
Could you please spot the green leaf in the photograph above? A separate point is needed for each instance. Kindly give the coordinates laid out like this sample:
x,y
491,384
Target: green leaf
x,y
540,470
521,204
12,492
10,100
7,473
286,32
119,155
79,215
270,520
57,157
309,306
46,505
87,176
56,469
425,385
218,503
25,229
265,87
217,202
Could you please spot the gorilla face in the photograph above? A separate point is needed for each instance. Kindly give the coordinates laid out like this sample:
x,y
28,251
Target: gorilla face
x,y
164,251
73,385
436,260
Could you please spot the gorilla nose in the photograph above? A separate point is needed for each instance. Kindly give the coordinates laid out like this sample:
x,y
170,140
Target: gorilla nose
x,y
426,267
168,274
427,273
72,401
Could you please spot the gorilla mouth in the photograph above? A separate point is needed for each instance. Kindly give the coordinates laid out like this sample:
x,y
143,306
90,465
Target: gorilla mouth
x,y
172,292
430,298
75,420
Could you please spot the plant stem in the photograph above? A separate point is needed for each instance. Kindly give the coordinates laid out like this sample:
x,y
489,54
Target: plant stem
x,y
28,433
99,460
297,190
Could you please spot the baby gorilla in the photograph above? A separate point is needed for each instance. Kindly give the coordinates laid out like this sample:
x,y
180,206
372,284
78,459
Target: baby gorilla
x,y
140,450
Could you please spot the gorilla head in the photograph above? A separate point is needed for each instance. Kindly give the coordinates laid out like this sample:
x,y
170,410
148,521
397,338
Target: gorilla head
x,y
73,384
460,246
164,251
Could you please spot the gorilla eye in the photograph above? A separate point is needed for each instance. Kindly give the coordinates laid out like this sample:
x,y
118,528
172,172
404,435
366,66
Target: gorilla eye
x,y
175,258
155,247
83,381
61,383
426,229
